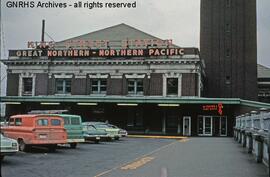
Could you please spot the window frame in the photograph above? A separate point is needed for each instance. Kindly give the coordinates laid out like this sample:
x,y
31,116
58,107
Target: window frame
x,y
135,87
27,93
63,85
99,86
167,86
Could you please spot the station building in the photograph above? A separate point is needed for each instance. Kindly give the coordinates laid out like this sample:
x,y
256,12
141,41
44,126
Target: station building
x,y
125,76
146,84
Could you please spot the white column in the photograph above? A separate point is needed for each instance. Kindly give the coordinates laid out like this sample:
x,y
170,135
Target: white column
x,y
199,84
164,122
33,85
20,85
180,85
179,126
164,85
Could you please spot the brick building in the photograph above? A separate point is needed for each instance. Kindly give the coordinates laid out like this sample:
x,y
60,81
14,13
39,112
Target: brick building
x,y
142,83
228,45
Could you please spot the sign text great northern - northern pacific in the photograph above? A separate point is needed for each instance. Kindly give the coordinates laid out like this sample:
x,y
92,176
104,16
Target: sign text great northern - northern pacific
x,y
103,52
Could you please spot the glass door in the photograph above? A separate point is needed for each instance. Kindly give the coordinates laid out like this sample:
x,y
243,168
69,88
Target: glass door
x,y
207,126
187,126
200,125
223,126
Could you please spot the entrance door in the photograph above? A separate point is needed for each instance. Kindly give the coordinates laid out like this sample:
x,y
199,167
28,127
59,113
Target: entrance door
x,y
216,126
186,126
207,126
223,126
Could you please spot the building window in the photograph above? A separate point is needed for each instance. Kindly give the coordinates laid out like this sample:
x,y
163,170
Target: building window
x,y
228,3
99,86
135,86
228,28
228,53
27,86
228,80
63,86
172,86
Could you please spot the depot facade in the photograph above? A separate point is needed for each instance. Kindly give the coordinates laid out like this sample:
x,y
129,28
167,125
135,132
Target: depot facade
x,y
157,92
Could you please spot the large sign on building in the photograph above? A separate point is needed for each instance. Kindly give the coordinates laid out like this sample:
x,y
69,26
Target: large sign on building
x,y
80,53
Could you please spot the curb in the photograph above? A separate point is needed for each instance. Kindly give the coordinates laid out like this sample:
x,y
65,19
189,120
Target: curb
x,y
157,137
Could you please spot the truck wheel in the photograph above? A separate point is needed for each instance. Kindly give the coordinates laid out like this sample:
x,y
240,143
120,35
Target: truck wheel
x,y
73,145
52,148
22,146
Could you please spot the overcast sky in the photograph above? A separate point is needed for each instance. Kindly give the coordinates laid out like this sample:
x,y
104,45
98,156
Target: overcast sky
x,y
173,19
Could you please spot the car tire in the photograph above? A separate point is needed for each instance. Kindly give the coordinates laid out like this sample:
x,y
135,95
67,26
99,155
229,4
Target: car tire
x,y
22,146
116,138
73,145
2,157
96,141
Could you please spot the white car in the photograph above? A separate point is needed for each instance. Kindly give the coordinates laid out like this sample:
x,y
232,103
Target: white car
x,y
8,146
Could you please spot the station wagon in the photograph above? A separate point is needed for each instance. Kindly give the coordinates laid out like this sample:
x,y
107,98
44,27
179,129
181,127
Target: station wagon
x,y
36,130
74,128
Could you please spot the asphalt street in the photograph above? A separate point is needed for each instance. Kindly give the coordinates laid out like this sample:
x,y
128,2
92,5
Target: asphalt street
x,y
138,157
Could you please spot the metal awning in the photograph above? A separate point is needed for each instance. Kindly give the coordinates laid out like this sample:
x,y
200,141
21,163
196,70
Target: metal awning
x,y
121,99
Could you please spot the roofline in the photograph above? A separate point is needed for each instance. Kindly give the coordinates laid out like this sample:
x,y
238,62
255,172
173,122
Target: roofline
x,y
114,27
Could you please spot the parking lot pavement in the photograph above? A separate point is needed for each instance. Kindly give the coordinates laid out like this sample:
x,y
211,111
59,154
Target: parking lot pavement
x,y
194,157
137,157
87,160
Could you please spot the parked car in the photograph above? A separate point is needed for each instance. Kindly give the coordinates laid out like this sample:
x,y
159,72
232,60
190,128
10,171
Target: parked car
x,y
8,146
122,132
74,128
112,132
36,130
90,133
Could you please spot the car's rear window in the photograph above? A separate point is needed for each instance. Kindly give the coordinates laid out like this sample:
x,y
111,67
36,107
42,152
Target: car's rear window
x,y
75,121
42,122
55,122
